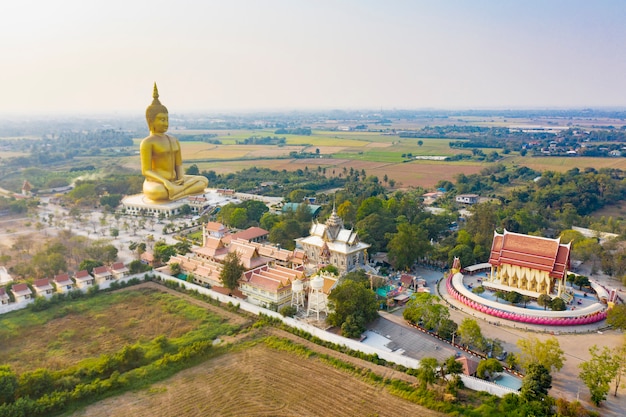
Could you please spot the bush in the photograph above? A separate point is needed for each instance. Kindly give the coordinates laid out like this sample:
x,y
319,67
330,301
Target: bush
x,y
289,311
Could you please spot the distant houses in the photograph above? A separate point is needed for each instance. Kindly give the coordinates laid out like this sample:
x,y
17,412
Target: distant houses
x,y
23,293
467,198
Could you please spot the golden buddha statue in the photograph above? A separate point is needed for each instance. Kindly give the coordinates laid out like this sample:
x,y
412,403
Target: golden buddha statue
x,y
161,162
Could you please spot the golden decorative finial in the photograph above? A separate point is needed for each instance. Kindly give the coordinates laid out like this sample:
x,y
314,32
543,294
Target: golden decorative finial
x,y
155,94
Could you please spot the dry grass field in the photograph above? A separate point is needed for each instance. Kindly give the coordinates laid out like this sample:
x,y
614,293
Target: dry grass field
x,y
562,164
88,330
412,174
259,381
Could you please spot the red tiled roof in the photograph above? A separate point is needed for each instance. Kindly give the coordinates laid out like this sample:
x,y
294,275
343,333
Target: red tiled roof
x,y
62,278
100,270
469,366
406,279
531,252
83,275
118,266
21,289
41,282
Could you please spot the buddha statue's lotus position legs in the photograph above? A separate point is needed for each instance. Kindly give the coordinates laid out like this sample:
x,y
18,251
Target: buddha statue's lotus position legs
x,y
161,162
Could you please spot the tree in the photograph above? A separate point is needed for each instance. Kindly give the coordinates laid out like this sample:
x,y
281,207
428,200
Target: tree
x,y
8,384
488,367
347,212
536,383
544,300
451,367
420,142
425,309
511,360
598,372
114,232
192,170
182,247
548,353
369,206
231,271
558,304
470,333
163,252
136,267
354,300
89,265
427,372
619,360
268,220
284,233
372,228
255,210
407,245
616,316
481,224
514,297
35,383
239,218
581,281
499,294
447,328
175,268
185,210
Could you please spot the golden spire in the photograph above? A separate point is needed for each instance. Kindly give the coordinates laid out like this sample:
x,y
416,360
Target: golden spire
x,y
155,94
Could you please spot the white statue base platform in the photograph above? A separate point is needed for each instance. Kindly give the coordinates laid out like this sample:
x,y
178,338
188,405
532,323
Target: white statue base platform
x,y
139,204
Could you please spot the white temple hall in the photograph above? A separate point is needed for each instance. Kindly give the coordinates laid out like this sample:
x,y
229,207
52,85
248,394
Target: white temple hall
x,y
534,265
331,243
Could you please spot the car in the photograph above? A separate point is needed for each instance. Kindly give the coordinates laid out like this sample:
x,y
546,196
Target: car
x,y
502,356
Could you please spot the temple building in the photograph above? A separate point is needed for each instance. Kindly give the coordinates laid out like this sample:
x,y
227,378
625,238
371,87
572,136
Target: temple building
x,y
330,243
530,265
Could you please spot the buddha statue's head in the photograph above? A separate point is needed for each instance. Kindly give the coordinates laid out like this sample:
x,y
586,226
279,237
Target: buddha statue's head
x,y
155,108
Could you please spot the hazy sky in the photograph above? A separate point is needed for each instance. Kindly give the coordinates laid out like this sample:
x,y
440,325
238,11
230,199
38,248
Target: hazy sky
x,y
87,56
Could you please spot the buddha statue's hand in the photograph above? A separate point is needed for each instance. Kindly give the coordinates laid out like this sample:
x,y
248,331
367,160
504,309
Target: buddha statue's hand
x,y
173,188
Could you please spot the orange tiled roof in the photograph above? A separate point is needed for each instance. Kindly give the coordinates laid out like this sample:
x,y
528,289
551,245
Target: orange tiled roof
x,y
214,227
533,252
249,233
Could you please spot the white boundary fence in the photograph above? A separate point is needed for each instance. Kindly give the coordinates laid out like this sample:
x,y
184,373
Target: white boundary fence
x,y
470,382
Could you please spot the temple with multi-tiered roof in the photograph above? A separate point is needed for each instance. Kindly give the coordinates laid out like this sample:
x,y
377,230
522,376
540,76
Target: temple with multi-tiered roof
x,y
331,243
531,265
